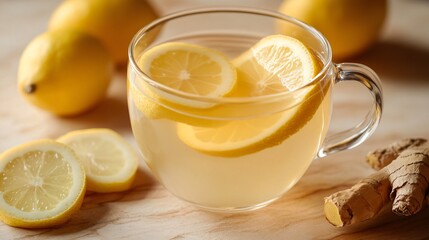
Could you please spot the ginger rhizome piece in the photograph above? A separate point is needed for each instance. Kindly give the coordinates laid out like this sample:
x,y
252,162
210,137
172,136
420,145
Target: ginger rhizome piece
x,y
404,180
363,201
382,157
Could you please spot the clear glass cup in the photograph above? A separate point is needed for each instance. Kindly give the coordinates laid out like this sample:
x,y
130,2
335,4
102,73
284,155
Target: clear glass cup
x,y
239,180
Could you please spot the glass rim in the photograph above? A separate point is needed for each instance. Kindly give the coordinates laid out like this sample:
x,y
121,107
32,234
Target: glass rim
x,y
220,9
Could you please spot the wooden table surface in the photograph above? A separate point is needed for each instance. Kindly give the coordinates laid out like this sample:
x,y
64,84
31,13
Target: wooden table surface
x,y
148,211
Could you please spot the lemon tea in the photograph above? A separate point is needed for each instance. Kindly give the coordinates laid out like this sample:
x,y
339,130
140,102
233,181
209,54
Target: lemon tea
x,y
235,152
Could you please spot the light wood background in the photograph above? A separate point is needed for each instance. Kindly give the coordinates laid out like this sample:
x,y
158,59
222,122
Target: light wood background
x,y
148,211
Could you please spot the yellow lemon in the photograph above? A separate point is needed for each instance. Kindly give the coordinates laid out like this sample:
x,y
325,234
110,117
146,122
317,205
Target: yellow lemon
x,y
114,22
187,68
41,184
65,72
275,64
351,26
110,162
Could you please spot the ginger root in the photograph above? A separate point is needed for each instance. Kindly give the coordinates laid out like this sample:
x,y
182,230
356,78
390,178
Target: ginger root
x,y
404,179
382,157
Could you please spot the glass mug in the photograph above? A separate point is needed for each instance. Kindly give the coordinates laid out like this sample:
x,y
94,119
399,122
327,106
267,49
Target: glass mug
x,y
255,175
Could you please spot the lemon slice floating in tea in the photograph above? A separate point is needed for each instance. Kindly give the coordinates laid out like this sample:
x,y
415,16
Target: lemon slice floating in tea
x,y
185,67
110,162
42,184
275,64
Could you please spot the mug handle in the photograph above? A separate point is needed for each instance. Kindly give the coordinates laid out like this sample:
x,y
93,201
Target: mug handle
x,y
353,137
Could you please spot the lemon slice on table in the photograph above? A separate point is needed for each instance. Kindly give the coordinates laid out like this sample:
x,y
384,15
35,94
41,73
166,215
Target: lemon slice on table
x,y
42,184
275,64
110,162
187,68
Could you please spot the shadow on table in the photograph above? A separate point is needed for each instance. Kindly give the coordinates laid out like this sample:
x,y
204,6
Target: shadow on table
x,y
95,211
300,214
388,225
112,113
279,219
399,62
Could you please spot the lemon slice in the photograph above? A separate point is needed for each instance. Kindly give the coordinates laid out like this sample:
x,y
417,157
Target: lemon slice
x,y
41,184
242,137
275,64
110,162
149,103
190,69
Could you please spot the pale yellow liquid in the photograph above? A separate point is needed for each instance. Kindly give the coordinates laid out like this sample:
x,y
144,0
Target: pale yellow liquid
x,y
228,183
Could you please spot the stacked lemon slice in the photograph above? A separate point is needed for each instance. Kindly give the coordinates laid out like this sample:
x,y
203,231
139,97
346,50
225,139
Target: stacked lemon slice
x,y
42,183
189,69
274,65
110,162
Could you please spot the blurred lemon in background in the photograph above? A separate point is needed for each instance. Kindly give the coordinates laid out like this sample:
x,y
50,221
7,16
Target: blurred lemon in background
x,y
351,26
65,72
114,22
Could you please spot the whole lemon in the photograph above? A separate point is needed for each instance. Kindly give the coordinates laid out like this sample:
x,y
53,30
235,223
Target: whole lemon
x,y
351,26
114,22
65,72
